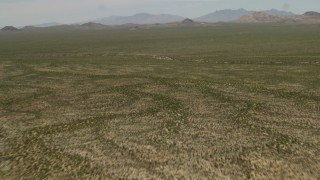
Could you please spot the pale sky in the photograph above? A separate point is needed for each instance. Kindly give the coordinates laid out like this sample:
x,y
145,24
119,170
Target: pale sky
x,y
28,12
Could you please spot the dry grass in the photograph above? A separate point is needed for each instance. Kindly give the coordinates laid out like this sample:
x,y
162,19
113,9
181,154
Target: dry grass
x,y
136,116
73,124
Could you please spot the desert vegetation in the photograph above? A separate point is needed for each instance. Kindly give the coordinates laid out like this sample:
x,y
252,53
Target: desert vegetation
x,y
217,102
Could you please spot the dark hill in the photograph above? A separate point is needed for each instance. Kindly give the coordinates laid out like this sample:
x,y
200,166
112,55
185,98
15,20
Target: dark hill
x,y
187,21
10,28
312,14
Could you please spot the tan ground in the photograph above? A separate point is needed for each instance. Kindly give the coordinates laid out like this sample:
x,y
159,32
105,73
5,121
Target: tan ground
x,y
155,121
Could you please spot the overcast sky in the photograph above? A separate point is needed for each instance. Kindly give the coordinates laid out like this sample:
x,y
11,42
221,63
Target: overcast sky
x,y
28,12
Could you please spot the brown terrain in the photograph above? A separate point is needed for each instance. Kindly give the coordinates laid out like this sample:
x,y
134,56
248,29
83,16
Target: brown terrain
x,y
260,17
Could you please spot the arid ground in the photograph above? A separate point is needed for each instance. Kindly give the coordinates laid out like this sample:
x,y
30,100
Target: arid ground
x,y
218,102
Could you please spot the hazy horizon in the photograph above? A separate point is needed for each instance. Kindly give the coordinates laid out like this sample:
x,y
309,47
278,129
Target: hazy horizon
x,y
30,12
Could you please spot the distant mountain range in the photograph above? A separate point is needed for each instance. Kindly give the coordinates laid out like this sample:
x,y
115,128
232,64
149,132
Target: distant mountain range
x,y
262,17
47,24
218,16
142,18
228,15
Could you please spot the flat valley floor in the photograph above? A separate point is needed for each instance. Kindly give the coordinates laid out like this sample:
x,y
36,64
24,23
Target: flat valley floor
x,y
216,102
